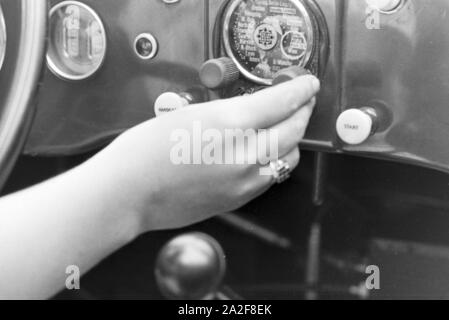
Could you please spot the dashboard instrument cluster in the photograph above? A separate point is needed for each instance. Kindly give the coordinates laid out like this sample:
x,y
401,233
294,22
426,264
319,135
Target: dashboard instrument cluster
x,y
77,45
384,68
264,37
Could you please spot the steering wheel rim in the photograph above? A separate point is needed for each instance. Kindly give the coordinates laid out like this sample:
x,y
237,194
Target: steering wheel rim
x,y
20,75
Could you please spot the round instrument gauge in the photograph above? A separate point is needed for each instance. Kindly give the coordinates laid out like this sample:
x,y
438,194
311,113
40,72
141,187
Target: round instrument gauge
x,y
266,36
77,45
2,38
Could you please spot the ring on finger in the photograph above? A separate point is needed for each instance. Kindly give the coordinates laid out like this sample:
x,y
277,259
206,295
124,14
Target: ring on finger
x,y
281,171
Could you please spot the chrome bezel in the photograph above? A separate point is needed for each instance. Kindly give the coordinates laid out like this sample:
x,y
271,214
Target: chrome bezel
x,y
3,38
52,65
227,45
399,7
153,41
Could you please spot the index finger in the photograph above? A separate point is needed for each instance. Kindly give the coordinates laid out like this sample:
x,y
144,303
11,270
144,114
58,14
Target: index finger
x,y
271,106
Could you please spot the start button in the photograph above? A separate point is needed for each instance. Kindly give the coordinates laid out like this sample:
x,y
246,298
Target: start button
x,y
355,126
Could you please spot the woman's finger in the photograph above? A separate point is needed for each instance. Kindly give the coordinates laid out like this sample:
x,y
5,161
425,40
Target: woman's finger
x,y
261,110
268,107
291,131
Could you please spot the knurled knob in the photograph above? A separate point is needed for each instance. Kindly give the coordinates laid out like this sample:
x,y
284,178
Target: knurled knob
x,y
218,73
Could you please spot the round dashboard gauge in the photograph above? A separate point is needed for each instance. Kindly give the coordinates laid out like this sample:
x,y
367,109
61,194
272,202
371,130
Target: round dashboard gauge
x,y
2,38
77,45
266,36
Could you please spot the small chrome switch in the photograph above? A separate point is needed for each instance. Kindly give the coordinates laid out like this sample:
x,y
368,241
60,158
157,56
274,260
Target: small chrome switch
x,y
145,46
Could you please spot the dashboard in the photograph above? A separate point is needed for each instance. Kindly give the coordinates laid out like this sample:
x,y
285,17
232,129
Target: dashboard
x,y
384,67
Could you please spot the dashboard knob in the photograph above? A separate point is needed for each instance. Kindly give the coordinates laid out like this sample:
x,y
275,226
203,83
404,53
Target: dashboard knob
x,y
218,73
289,74
384,5
171,101
355,126
190,267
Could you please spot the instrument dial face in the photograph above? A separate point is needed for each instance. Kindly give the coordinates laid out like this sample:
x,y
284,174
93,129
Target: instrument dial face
x,y
77,44
266,36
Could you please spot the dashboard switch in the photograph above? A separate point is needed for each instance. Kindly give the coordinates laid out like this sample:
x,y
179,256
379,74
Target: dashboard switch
x,y
355,126
171,101
218,73
289,74
146,46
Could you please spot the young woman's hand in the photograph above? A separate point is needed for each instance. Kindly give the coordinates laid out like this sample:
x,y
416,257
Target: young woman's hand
x,y
139,165
136,185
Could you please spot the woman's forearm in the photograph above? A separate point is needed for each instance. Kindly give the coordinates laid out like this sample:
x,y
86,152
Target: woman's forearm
x,y
76,219
133,186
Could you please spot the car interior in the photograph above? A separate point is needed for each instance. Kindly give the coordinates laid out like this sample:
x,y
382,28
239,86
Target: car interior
x,y
372,189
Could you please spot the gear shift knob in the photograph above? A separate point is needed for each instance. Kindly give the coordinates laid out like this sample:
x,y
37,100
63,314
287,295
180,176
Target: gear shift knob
x,y
190,267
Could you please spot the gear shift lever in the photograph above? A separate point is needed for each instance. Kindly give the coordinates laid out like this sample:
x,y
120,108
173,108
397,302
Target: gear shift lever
x,y
191,267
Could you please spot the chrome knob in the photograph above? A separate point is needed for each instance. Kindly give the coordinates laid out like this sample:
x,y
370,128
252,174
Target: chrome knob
x,y
190,267
355,126
218,73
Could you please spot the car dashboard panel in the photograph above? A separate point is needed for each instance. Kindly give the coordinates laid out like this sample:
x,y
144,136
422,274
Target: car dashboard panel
x,y
384,73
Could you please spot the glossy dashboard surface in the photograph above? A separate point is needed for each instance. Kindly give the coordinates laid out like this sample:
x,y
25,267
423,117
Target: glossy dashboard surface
x,y
401,66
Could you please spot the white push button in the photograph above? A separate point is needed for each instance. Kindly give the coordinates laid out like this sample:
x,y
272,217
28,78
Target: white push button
x,y
355,126
169,102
